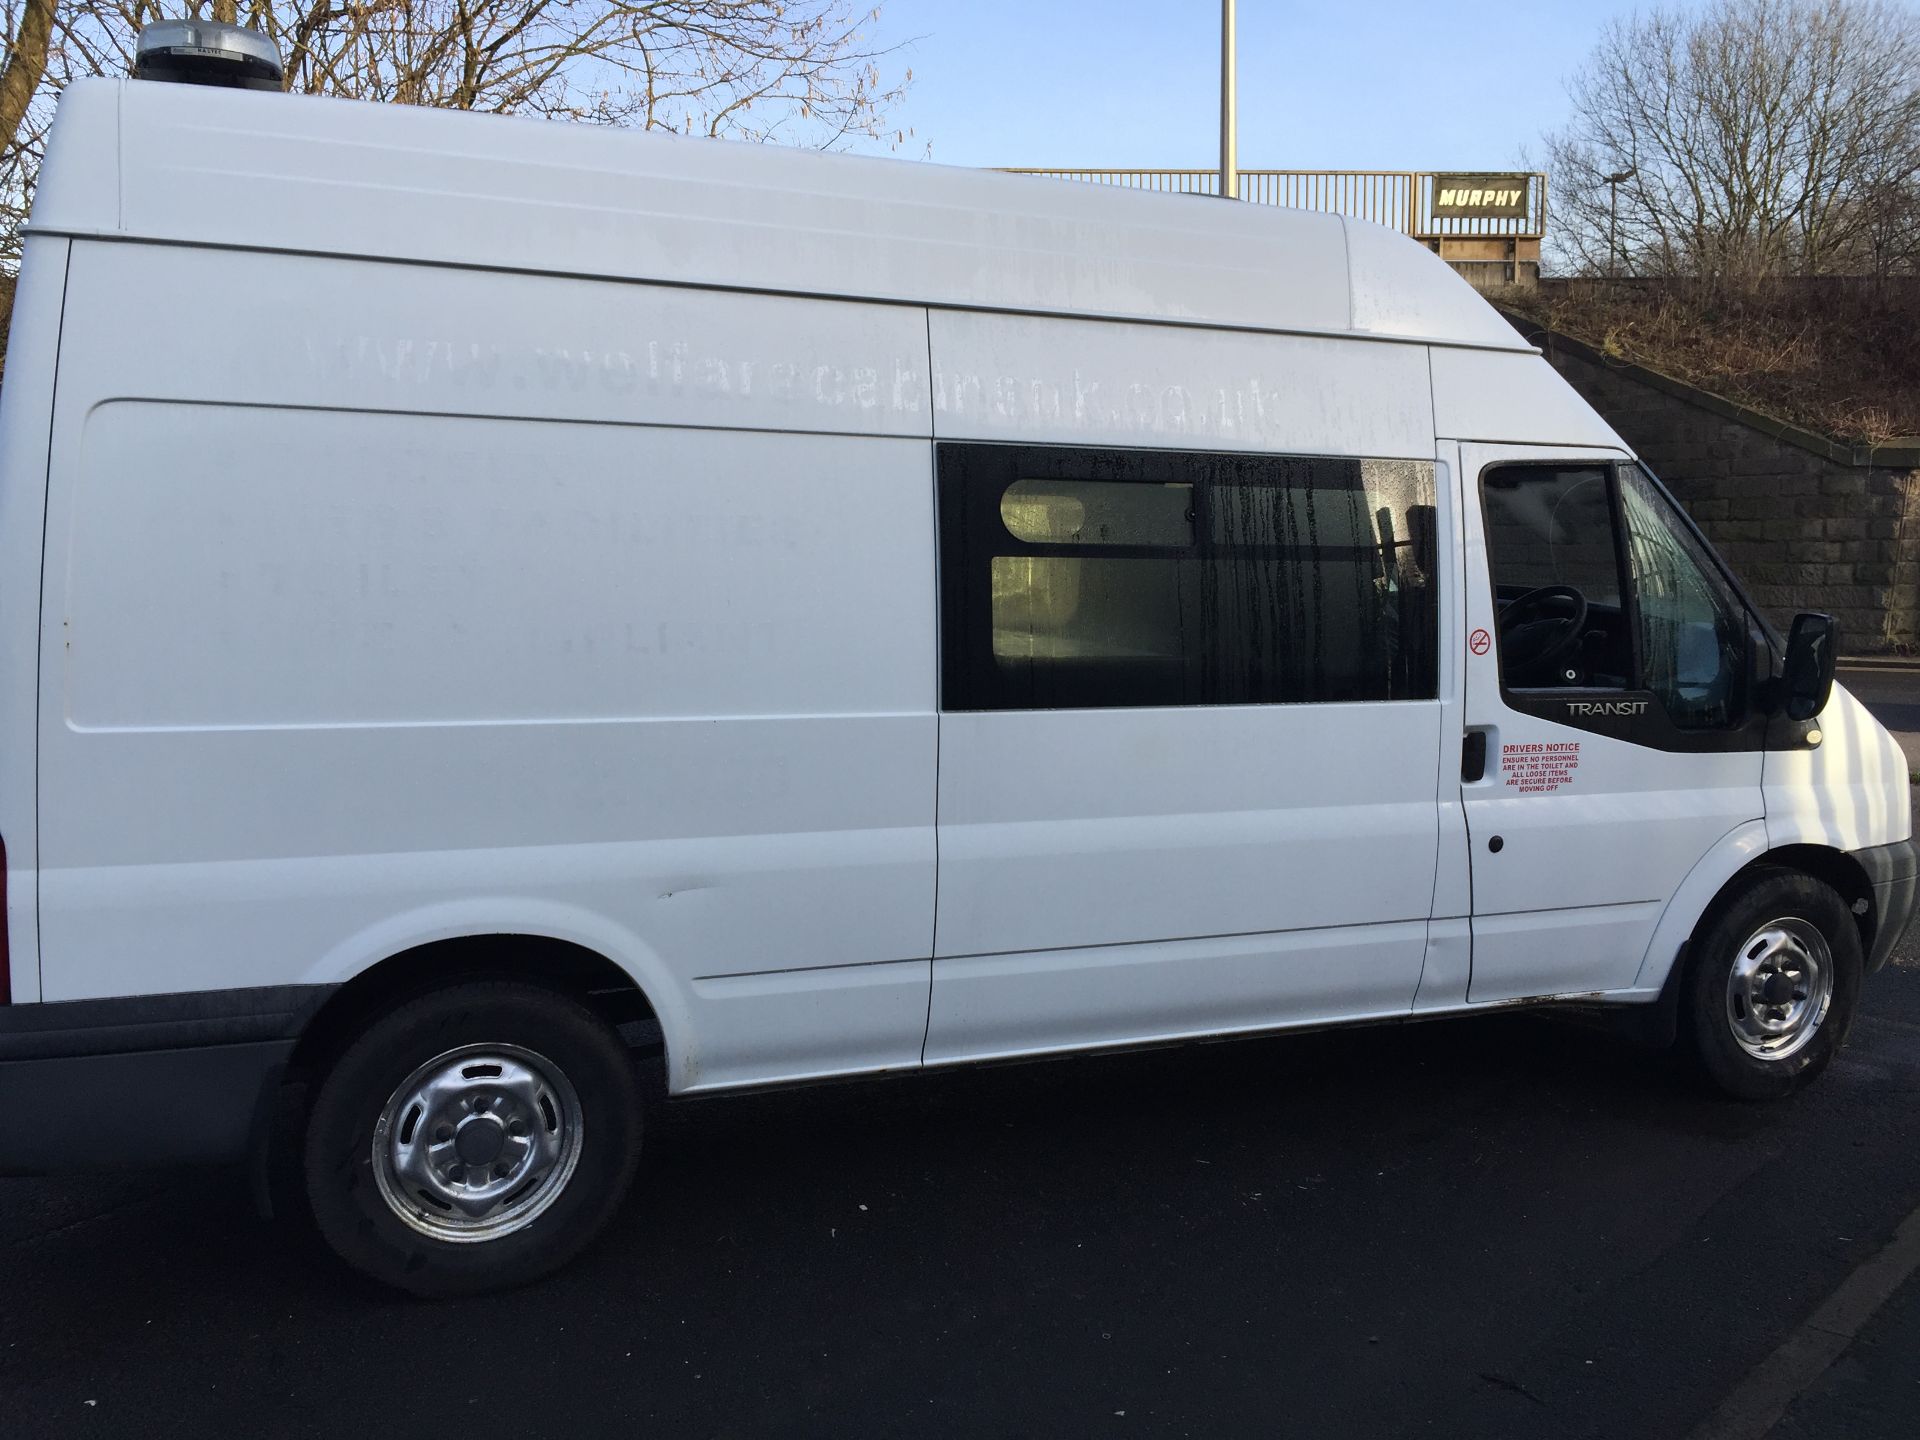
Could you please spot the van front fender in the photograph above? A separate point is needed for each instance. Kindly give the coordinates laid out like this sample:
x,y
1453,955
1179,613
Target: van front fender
x,y
1726,858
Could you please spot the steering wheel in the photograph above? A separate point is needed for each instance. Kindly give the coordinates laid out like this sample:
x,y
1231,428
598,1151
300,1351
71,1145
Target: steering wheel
x,y
1533,638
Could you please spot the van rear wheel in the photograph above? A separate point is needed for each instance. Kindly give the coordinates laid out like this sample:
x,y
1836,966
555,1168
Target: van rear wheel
x,y
474,1138
1774,980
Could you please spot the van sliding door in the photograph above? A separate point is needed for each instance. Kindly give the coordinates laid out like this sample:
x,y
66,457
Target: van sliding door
x,y
1192,589
1187,754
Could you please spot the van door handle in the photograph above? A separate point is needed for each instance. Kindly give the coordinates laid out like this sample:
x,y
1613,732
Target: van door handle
x,y
1473,757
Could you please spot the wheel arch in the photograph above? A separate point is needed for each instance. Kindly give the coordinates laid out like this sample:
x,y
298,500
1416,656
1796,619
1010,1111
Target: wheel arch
x,y
1728,865
1733,853
1836,869
564,966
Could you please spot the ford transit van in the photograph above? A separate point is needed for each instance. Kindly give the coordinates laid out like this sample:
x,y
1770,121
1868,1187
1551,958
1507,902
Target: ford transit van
x,y
490,607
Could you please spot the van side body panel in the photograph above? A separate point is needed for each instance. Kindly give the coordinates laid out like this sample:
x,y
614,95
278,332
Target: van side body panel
x,y
26,410
334,666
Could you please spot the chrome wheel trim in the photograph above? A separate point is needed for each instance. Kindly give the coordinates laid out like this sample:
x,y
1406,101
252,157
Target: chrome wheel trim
x,y
1779,988
477,1143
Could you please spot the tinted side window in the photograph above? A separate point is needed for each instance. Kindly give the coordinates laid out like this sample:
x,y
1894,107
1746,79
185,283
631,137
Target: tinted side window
x,y
1554,556
1552,525
1082,578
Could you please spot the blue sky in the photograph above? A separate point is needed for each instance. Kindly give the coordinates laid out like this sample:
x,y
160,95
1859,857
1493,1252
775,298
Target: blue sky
x,y
1365,84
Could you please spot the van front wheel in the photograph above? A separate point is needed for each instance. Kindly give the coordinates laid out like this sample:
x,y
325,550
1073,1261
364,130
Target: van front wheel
x,y
475,1138
1775,976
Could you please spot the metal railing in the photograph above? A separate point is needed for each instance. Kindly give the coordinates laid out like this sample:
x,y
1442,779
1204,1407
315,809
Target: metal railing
x,y
1402,199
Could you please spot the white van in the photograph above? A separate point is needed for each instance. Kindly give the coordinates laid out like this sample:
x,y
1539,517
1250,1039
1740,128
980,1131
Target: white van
x,y
486,603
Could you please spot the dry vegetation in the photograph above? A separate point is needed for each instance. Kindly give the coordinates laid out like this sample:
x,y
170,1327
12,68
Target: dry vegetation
x,y
1834,355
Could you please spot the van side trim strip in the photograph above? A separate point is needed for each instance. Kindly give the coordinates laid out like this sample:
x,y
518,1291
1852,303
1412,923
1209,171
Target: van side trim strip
x,y
509,418
128,1023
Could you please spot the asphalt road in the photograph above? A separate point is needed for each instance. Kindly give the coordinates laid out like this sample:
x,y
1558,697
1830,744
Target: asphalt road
x,y
1501,1227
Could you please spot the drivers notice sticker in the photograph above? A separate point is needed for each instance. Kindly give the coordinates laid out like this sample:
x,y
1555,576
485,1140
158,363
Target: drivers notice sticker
x,y
1539,769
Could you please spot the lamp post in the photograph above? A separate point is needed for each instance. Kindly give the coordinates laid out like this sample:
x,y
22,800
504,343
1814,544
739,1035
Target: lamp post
x,y
1229,106
1613,183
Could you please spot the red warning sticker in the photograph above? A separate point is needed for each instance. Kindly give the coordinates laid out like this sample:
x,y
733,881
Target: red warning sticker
x,y
1479,642
1539,769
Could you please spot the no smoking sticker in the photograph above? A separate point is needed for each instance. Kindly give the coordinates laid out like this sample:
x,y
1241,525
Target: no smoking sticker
x,y
1479,642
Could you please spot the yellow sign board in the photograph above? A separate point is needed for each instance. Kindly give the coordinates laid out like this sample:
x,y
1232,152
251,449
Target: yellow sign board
x,y
1480,197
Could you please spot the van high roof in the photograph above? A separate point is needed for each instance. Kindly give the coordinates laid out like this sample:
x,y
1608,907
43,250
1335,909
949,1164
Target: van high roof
x,y
193,164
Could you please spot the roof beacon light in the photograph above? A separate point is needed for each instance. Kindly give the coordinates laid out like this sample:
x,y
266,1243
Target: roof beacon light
x,y
207,52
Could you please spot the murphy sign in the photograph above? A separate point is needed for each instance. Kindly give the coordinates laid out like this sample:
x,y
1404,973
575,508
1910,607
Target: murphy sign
x,y
1480,197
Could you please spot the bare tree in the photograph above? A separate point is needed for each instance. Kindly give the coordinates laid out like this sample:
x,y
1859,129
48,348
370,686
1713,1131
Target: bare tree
x,y
1887,227
1758,137
798,71
29,34
32,29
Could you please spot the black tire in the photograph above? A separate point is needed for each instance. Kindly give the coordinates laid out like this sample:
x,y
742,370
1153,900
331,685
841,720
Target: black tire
x,y
544,1028
1713,1017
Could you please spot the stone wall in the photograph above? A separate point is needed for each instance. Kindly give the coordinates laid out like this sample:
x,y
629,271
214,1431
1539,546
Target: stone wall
x,y
1807,525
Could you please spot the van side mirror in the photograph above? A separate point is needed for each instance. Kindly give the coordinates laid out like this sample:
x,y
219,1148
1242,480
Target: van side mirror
x,y
1807,681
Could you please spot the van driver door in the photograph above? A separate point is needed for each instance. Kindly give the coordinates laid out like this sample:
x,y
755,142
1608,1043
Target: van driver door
x,y
1610,688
